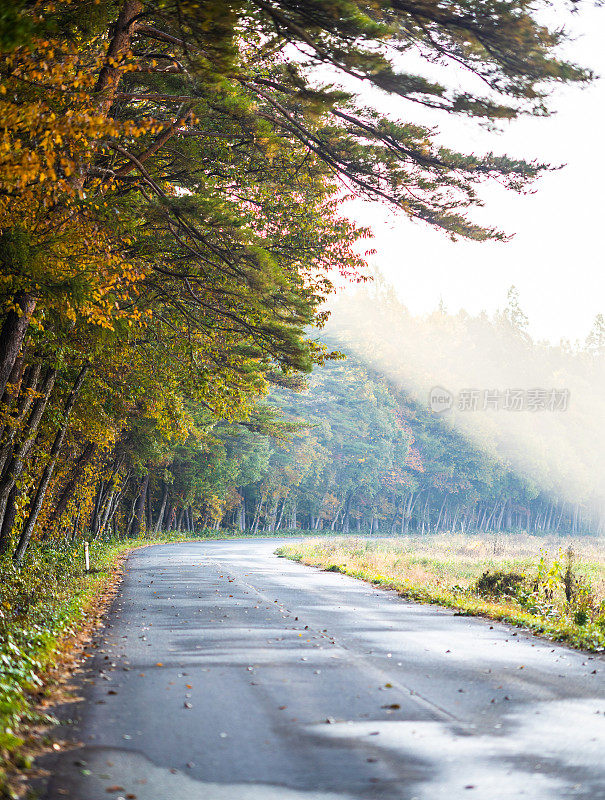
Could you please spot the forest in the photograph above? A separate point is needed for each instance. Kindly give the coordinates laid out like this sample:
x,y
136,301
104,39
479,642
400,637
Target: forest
x,y
173,187
370,455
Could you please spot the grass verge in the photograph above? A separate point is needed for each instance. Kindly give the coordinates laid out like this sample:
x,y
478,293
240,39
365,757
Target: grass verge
x,y
554,588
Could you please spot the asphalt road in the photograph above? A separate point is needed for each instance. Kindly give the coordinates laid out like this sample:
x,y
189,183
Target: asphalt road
x,y
225,673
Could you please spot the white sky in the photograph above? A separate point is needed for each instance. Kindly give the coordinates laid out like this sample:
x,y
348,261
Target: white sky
x,y
556,257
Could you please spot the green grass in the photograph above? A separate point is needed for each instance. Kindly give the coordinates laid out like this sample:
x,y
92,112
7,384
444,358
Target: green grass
x,y
444,570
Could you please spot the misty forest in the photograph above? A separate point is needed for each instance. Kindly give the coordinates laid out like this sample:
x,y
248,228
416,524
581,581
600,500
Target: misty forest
x,y
197,340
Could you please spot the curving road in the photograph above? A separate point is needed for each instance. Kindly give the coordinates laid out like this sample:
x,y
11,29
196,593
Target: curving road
x,y
226,673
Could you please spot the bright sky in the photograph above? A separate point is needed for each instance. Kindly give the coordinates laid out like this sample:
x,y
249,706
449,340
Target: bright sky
x,y
556,257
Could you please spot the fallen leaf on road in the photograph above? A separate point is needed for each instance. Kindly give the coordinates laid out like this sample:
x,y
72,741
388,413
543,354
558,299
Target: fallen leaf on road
x,y
114,789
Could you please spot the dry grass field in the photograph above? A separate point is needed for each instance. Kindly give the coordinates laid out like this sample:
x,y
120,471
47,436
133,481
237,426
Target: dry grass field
x,y
553,586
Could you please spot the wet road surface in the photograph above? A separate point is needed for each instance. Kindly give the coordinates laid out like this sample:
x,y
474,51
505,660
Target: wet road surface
x,y
226,673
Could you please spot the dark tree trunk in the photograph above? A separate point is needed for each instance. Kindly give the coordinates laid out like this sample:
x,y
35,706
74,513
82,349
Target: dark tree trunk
x,y
15,464
38,500
8,522
24,402
170,518
149,525
19,374
12,335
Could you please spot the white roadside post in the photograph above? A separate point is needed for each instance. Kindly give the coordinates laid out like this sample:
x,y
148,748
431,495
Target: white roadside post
x,y
86,557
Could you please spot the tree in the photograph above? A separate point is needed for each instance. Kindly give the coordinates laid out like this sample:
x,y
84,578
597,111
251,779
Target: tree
x,y
170,186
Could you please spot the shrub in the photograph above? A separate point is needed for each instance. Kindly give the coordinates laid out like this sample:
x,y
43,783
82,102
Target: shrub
x,y
499,583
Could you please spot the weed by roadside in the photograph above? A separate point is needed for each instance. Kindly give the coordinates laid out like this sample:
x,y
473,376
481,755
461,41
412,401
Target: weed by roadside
x,y
553,588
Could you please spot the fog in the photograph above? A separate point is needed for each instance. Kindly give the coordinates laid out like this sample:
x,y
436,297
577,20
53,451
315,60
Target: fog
x,y
538,408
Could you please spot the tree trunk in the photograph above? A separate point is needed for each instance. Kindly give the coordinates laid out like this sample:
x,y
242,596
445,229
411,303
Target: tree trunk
x,y
12,335
149,522
8,522
69,488
38,500
106,514
455,518
241,515
110,74
139,508
501,516
96,509
160,519
170,518
256,519
19,377
412,500
439,518
281,515
16,463
333,525
74,527
114,499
